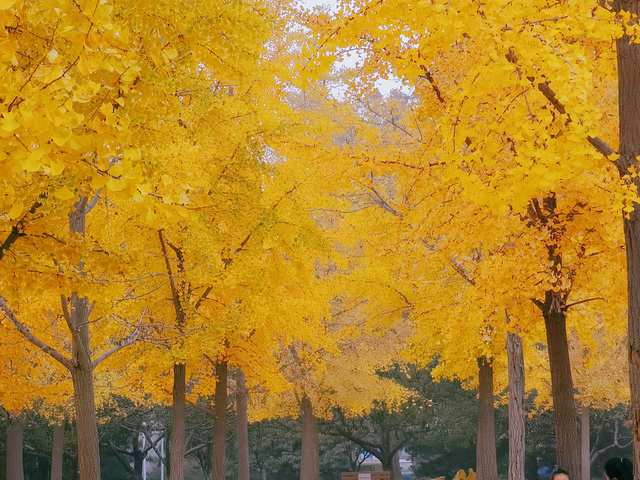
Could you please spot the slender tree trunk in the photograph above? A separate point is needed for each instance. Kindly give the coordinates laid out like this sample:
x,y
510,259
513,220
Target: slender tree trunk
x,y
629,113
57,451
516,406
564,407
310,465
82,369
138,456
3,457
243,427
15,434
178,439
586,445
395,467
486,462
220,423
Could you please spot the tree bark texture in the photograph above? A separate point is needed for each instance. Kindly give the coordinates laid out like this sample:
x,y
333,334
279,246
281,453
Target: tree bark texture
x,y
395,467
310,467
15,434
82,369
629,110
178,439
243,426
586,445
486,462
220,423
516,406
57,451
564,407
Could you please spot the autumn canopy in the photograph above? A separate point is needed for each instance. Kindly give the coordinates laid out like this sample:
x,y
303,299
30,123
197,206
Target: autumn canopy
x,y
207,197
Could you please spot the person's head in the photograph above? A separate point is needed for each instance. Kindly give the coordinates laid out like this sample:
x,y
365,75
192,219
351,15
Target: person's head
x,y
619,468
560,474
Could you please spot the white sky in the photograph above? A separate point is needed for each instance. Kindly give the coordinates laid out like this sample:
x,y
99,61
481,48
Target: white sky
x,y
384,86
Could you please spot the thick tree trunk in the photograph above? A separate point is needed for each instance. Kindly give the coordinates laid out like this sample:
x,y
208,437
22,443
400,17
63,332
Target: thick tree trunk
x,y
586,445
310,465
86,422
243,427
220,423
57,451
178,439
564,407
629,110
15,434
395,467
516,406
82,370
486,462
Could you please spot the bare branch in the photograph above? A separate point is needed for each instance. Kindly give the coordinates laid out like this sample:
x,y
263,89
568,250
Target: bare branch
x,y
463,272
180,316
204,295
582,301
17,229
73,329
93,203
130,339
196,448
55,354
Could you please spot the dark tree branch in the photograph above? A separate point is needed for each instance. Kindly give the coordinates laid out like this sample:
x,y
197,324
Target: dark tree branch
x,y
204,296
582,301
180,316
17,230
55,354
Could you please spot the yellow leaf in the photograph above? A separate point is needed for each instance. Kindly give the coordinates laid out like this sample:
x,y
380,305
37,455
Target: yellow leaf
x,y
8,123
57,168
99,182
116,170
61,137
64,194
16,211
32,163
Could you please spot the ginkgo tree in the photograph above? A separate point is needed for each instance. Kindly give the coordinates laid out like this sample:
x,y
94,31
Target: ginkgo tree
x,y
79,79
505,104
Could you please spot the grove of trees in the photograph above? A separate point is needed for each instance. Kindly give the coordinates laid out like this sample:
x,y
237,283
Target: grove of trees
x,y
224,253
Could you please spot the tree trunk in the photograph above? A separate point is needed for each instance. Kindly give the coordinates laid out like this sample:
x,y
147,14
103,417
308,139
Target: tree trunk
x,y
310,465
586,445
220,423
516,406
57,451
395,467
82,369
15,434
629,112
564,407
3,439
87,424
486,462
243,427
138,455
178,439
